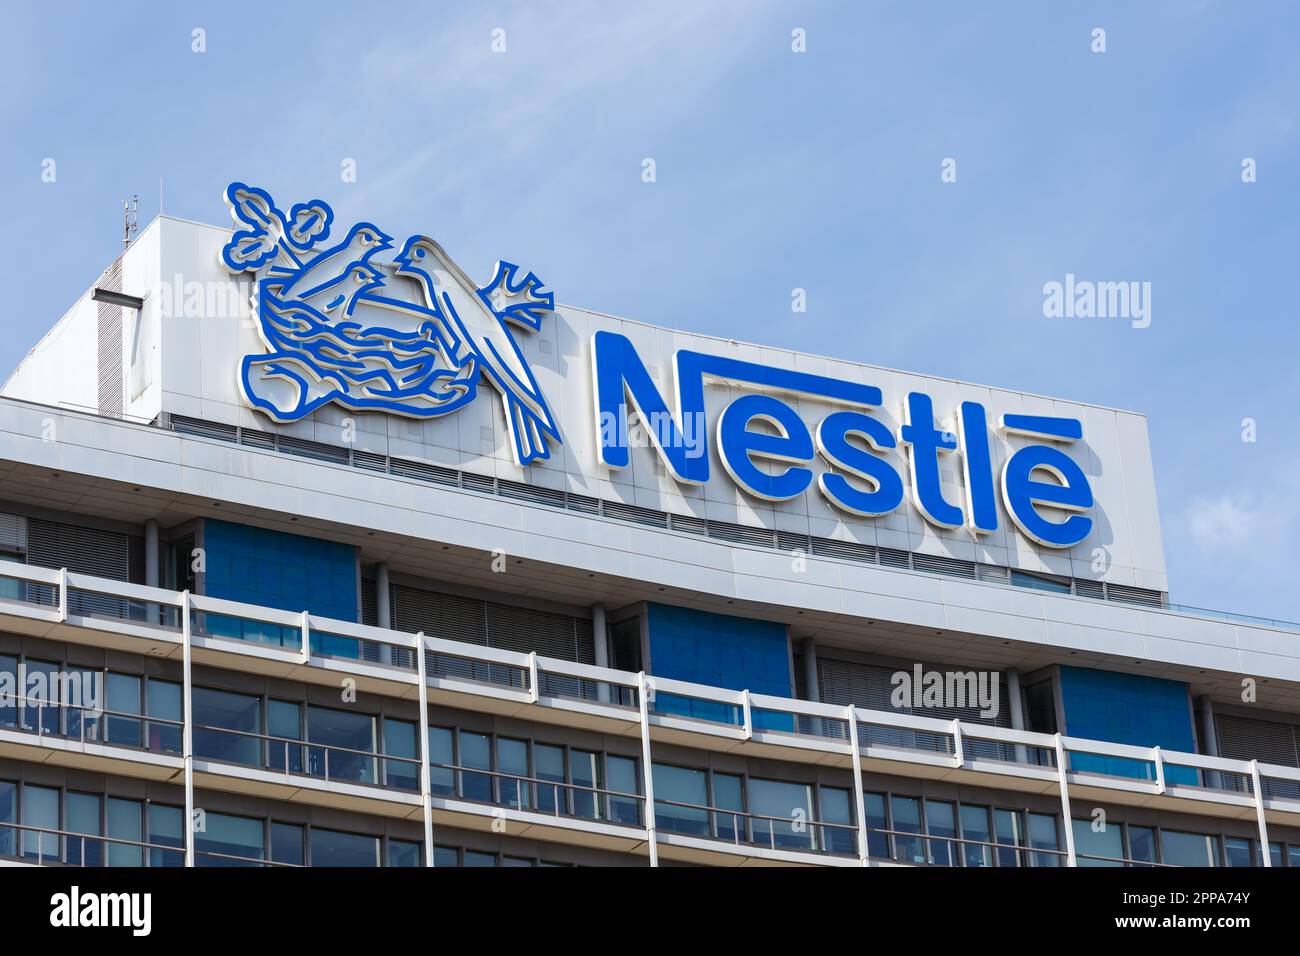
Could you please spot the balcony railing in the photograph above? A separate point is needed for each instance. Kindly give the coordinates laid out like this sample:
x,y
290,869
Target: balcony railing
x,y
582,695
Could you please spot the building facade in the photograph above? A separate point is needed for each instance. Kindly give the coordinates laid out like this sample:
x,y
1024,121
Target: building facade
x,y
317,544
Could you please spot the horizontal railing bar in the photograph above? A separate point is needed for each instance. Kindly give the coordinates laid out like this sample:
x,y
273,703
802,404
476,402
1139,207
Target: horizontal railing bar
x,y
247,612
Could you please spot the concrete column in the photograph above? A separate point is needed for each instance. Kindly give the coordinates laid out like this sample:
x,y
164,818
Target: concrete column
x,y
153,613
1016,702
383,609
151,553
1209,739
600,647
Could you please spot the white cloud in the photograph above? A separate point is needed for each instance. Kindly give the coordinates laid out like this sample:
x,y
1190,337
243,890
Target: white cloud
x,y
1221,521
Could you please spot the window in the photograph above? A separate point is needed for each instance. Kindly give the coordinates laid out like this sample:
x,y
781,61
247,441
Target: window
x,y
585,767
83,694
8,814
675,786
516,861
475,858
877,822
334,848
399,741
125,822
9,676
404,853
512,758
623,778
283,724
341,732
1040,707
907,819
975,828
442,779
837,808
287,844
1188,849
165,831
475,753
1238,851
1009,834
164,703
226,840
1142,844
1040,582
781,814
1092,845
548,764
39,708
124,697
1043,836
941,821
40,808
447,856
216,712
83,817
729,794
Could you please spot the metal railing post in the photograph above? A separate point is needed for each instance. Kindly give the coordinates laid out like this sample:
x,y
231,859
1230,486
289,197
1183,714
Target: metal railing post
x,y
426,787
187,731
306,637
858,795
63,595
1067,820
1258,787
532,677
958,749
747,715
643,696
1159,761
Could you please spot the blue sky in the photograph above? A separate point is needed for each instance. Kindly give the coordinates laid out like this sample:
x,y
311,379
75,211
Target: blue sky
x,y
775,170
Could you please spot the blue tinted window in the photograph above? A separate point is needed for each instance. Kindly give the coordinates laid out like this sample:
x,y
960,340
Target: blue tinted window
x,y
1094,847
781,813
226,711
333,848
549,766
125,822
284,724
442,779
675,786
400,741
512,758
623,779
475,752
342,732
907,820
837,808
1043,836
227,840
729,794
975,827
40,809
164,701
165,831
877,842
447,856
404,853
286,843
83,817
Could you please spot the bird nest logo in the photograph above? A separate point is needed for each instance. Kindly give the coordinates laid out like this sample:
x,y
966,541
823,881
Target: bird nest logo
x,y
409,337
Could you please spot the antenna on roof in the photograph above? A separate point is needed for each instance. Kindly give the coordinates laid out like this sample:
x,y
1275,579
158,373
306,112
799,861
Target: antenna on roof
x,y
130,219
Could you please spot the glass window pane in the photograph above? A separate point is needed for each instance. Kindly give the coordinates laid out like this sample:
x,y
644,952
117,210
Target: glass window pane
x,y
1090,844
516,861
333,848
286,843
9,678
36,703
548,763
476,753
447,856
404,853
1275,854
674,786
1292,851
941,821
219,711
83,816
1043,836
837,808
779,812
343,732
728,794
474,858
623,778
124,692
164,703
1188,849
975,828
1238,851
400,742
165,831
585,767
1142,844
512,758
906,812
221,839
877,841
8,814
40,808
442,779
125,822
1009,834
84,694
